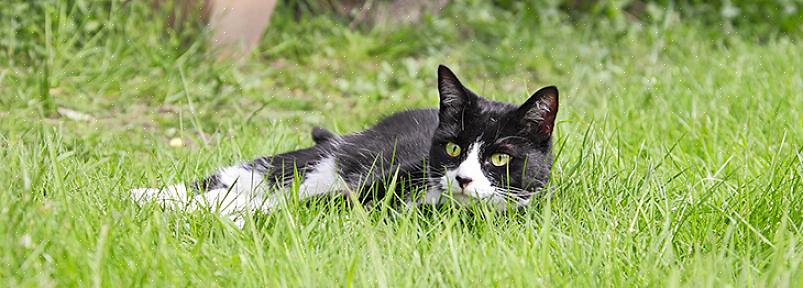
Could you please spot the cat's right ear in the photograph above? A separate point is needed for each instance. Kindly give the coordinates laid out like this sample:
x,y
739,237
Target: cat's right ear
x,y
454,98
537,115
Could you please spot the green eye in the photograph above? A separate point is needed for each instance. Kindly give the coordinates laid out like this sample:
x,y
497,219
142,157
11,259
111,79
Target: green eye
x,y
452,149
500,159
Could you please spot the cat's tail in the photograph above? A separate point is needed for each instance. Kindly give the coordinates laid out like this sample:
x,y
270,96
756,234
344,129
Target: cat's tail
x,y
320,135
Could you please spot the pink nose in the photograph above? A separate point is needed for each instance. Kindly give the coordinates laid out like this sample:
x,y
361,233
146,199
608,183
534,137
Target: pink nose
x,y
463,181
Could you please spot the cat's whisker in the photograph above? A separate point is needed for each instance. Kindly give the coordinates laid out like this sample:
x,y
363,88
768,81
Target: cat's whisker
x,y
506,193
511,190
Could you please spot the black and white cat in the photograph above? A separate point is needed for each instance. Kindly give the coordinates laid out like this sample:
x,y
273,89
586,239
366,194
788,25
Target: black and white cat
x,y
471,148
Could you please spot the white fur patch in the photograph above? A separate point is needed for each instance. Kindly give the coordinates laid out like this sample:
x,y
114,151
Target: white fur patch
x,y
323,179
480,187
242,181
245,194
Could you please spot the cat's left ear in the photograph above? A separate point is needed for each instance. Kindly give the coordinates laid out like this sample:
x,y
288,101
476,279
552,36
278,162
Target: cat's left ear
x,y
537,115
454,97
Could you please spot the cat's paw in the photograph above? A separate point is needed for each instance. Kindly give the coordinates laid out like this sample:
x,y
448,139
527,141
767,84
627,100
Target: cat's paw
x,y
168,197
143,195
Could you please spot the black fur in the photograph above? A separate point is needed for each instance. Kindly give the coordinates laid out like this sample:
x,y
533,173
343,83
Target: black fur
x,y
320,135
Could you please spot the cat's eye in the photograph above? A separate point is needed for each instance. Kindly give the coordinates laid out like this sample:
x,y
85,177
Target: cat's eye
x,y
452,149
500,159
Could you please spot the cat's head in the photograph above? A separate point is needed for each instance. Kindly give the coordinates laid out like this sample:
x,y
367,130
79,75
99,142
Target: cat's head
x,y
493,151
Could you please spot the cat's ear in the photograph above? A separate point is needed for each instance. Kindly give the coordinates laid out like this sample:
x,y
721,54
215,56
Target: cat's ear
x,y
537,115
453,96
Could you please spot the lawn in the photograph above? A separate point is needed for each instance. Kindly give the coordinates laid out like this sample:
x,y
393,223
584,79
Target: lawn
x,y
679,150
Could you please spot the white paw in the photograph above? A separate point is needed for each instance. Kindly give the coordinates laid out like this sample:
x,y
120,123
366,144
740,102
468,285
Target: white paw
x,y
143,195
171,197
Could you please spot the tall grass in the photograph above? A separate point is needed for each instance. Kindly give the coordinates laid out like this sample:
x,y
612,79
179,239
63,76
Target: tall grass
x,y
679,154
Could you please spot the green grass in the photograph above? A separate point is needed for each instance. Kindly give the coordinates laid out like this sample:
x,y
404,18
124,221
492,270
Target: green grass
x,y
679,152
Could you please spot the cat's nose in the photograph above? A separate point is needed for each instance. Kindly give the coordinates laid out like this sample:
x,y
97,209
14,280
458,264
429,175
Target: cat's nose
x,y
463,181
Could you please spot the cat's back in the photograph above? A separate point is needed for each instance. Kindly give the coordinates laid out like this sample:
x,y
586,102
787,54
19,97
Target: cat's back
x,y
411,129
411,123
402,140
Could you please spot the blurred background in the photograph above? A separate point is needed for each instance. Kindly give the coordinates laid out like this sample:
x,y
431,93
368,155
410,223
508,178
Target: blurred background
x,y
241,23
138,65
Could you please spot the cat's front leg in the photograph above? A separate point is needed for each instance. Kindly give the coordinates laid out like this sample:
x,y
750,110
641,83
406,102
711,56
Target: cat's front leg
x,y
229,186
239,190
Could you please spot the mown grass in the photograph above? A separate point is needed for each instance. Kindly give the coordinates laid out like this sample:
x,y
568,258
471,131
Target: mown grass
x,y
679,153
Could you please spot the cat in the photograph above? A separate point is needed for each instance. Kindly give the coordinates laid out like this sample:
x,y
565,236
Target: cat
x,y
469,149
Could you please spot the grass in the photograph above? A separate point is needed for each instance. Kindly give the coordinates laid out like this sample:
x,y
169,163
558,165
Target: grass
x,y
679,152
